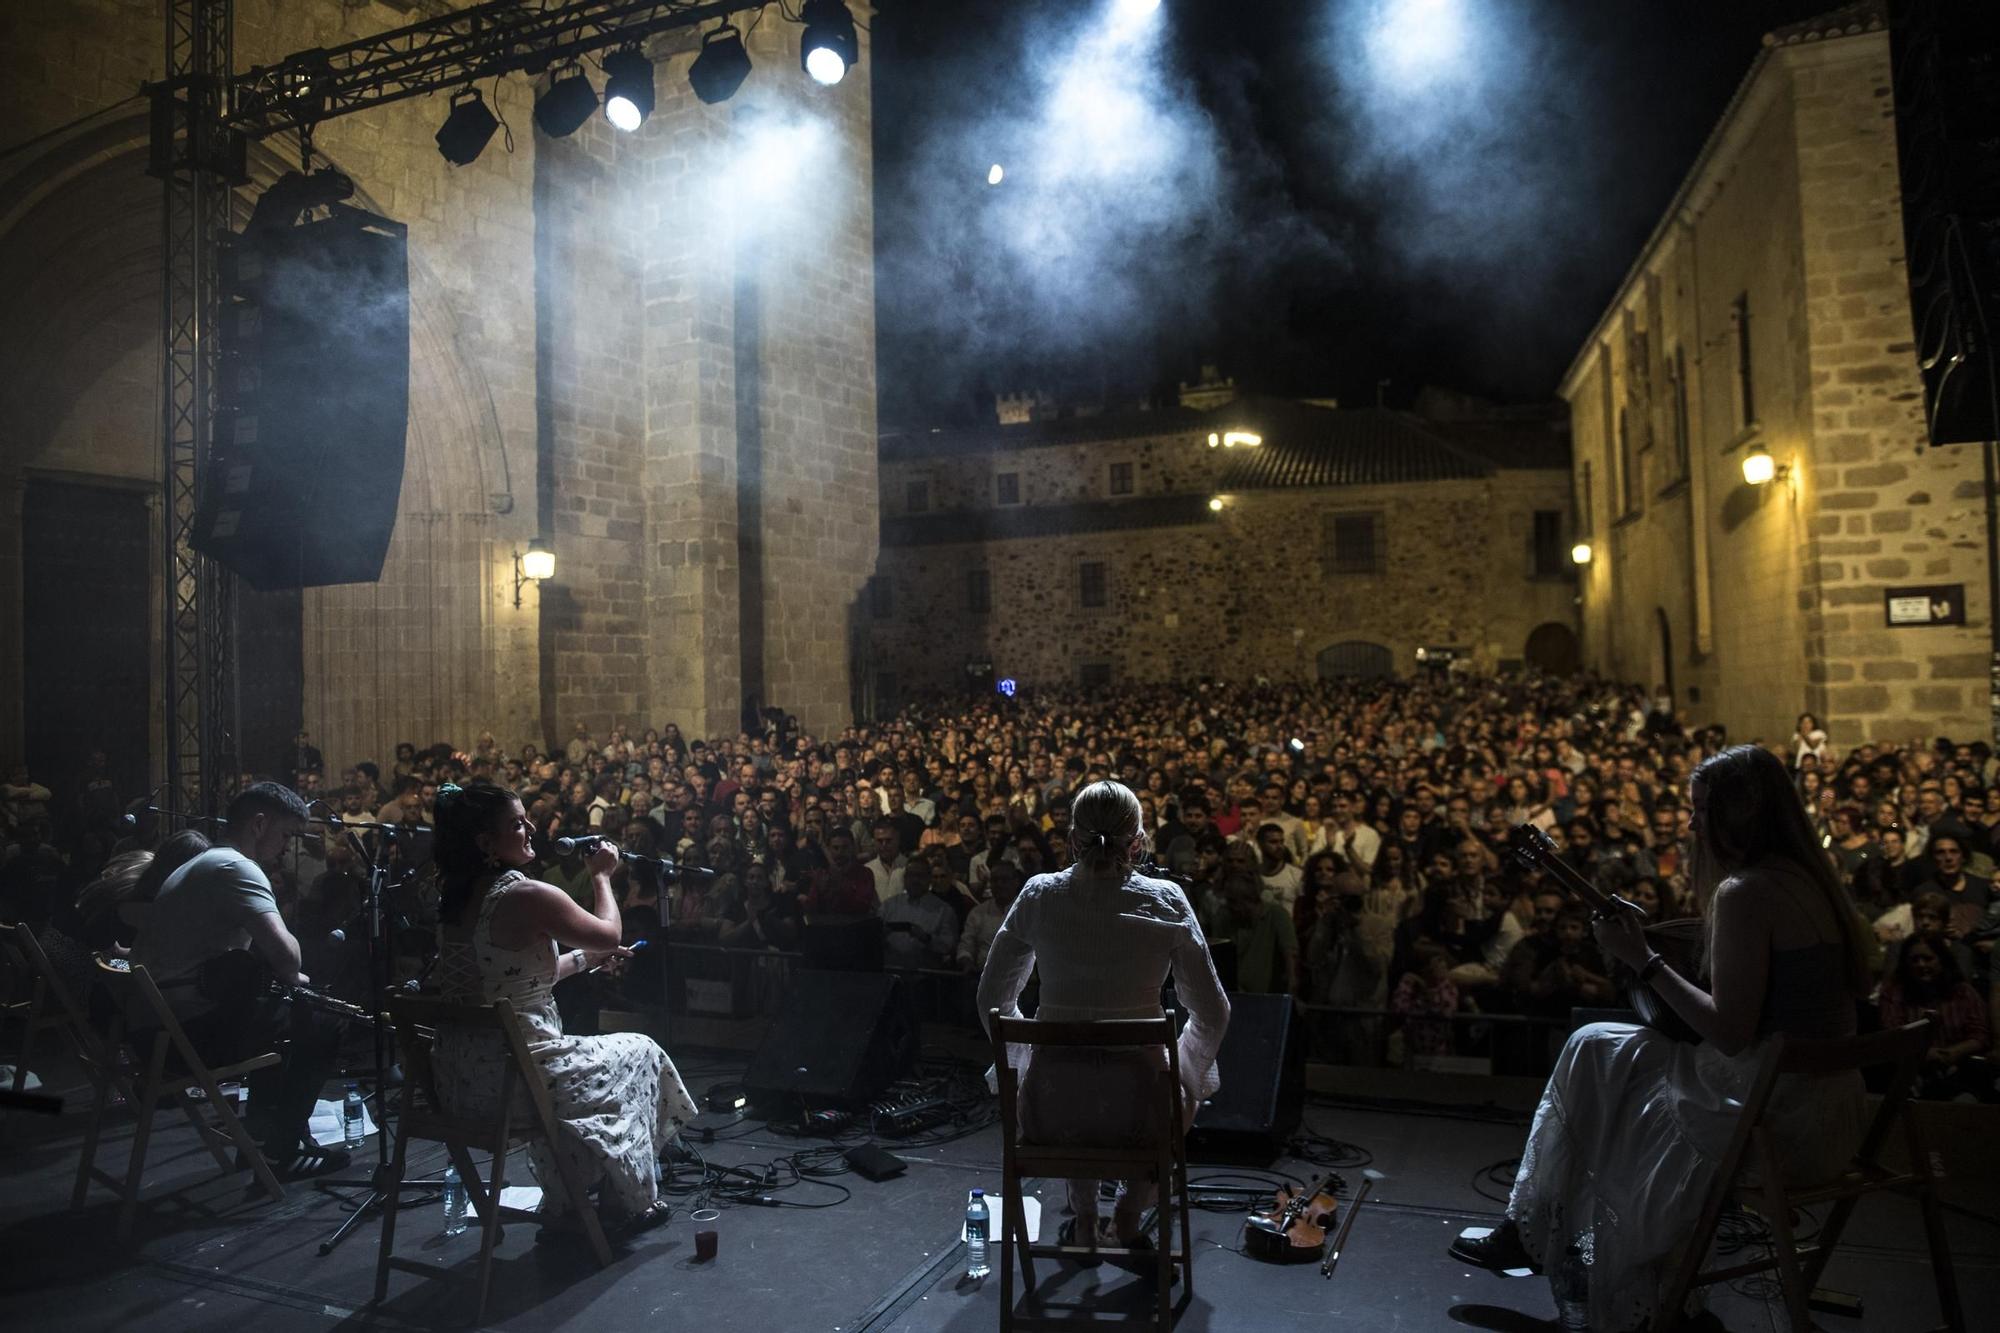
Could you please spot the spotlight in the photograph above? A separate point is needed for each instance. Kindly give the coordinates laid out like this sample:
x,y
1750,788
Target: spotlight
x,y
462,137
1580,553
721,67
995,174
628,88
1215,503
830,47
567,103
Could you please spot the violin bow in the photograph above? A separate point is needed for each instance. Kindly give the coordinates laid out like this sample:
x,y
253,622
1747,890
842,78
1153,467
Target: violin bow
x,y
1326,1265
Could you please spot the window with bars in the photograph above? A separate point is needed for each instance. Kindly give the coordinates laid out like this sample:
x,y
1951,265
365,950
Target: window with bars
x,y
1007,488
1091,583
1354,544
1548,551
1121,479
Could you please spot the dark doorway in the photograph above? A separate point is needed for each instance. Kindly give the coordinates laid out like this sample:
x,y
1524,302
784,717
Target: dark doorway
x,y
86,654
1552,648
1356,657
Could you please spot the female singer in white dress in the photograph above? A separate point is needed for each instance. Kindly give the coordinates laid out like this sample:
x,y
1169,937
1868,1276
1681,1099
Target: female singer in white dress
x,y
1630,1129
1104,939
618,1099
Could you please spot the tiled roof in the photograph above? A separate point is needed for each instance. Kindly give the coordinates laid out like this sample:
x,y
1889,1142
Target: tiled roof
x,y
984,525
1848,20
1314,446
1105,426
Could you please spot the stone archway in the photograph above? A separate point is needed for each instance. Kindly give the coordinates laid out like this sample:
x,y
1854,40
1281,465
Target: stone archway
x,y
1356,658
1552,649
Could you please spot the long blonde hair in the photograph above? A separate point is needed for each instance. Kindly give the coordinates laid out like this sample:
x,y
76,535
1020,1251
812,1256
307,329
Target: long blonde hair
x,y
1105,833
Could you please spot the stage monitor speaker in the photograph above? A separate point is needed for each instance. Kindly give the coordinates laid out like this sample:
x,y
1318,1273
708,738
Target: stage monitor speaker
x,y
1946,58
840,1039
1255,1112
312,402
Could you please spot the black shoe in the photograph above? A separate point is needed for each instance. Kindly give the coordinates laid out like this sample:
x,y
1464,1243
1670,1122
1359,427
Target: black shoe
x,y
1499,1251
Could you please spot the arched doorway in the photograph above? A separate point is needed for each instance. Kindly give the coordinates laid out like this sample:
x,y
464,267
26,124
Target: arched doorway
x,y
1552,649
1356,657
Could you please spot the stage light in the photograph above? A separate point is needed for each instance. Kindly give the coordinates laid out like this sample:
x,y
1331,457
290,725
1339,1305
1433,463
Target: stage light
x,y
1215,503
568,101
1230,439
829,48
628,88
994,174
1758,466
1298,746
1213,439
721,67
462,137
538,562
1580,553
1136,8
1006,686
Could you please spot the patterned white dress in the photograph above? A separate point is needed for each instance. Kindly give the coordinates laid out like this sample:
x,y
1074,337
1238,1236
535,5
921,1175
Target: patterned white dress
x,y
618,1098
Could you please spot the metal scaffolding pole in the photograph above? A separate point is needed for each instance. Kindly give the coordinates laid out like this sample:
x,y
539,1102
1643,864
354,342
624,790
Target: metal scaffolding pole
x,y
190,156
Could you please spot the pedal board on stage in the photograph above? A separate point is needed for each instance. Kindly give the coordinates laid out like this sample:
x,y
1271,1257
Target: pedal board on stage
x,y
872,1163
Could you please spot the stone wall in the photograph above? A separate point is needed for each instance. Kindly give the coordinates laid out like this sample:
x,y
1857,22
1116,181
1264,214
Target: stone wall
x,y
573,376
1757,603
1240,594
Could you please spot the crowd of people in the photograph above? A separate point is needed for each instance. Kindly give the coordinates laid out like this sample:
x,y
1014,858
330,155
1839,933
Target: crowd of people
x,y
1345,842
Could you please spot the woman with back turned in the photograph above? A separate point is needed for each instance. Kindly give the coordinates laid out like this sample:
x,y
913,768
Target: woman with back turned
x,y
618,1099
1632,1125
1103,939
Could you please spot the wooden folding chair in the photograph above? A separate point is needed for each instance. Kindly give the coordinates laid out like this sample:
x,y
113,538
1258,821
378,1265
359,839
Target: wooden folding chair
x,y
170,1069
1799,1266
417,1019
1162,1162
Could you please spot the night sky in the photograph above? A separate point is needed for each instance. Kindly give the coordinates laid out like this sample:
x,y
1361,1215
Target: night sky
x,y
1314,194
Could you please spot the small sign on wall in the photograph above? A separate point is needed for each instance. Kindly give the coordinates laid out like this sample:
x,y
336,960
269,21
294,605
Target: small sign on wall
x,y
1939,604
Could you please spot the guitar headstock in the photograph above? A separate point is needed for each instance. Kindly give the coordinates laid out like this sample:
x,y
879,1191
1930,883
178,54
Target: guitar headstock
x,y
1530,846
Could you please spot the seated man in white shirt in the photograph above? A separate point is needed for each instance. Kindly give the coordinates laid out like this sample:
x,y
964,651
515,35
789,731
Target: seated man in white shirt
x,y
919,928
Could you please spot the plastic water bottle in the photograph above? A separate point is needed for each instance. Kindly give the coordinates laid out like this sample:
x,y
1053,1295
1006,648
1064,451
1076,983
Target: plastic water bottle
x,y
1572,1288
454,1203
976,1219
350,1112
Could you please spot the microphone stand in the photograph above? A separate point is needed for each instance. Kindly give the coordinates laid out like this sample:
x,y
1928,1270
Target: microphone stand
x,y
381,949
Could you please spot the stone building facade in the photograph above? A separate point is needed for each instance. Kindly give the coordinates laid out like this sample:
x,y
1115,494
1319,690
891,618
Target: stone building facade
x,y
655,350
1770,310
1147,547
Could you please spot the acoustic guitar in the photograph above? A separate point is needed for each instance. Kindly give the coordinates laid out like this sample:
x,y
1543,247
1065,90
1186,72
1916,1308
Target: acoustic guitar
x,y
1679,942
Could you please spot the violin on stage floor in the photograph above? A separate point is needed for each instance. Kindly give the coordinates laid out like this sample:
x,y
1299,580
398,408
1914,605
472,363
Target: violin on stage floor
x,y
1293,1230
1679,941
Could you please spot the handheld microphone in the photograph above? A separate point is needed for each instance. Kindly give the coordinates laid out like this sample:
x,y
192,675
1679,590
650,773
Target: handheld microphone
x,y
587,845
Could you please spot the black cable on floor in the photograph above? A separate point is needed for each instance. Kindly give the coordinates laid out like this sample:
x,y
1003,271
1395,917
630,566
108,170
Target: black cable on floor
x,y
1495,1183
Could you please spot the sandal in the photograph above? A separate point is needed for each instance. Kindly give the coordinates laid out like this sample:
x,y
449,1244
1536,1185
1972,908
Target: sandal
x,y
1066,1237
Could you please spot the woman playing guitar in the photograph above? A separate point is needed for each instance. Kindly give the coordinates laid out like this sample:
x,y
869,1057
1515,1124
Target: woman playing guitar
x,y
1623,1145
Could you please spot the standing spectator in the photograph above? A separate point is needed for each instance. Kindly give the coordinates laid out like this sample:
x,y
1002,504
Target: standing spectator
x,y
975,941
889,864
1427,997
1276,871
1267,946
843,887
1968,894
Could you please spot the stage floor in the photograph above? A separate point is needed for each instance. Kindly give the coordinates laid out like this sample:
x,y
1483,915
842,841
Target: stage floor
x,y
206,1256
